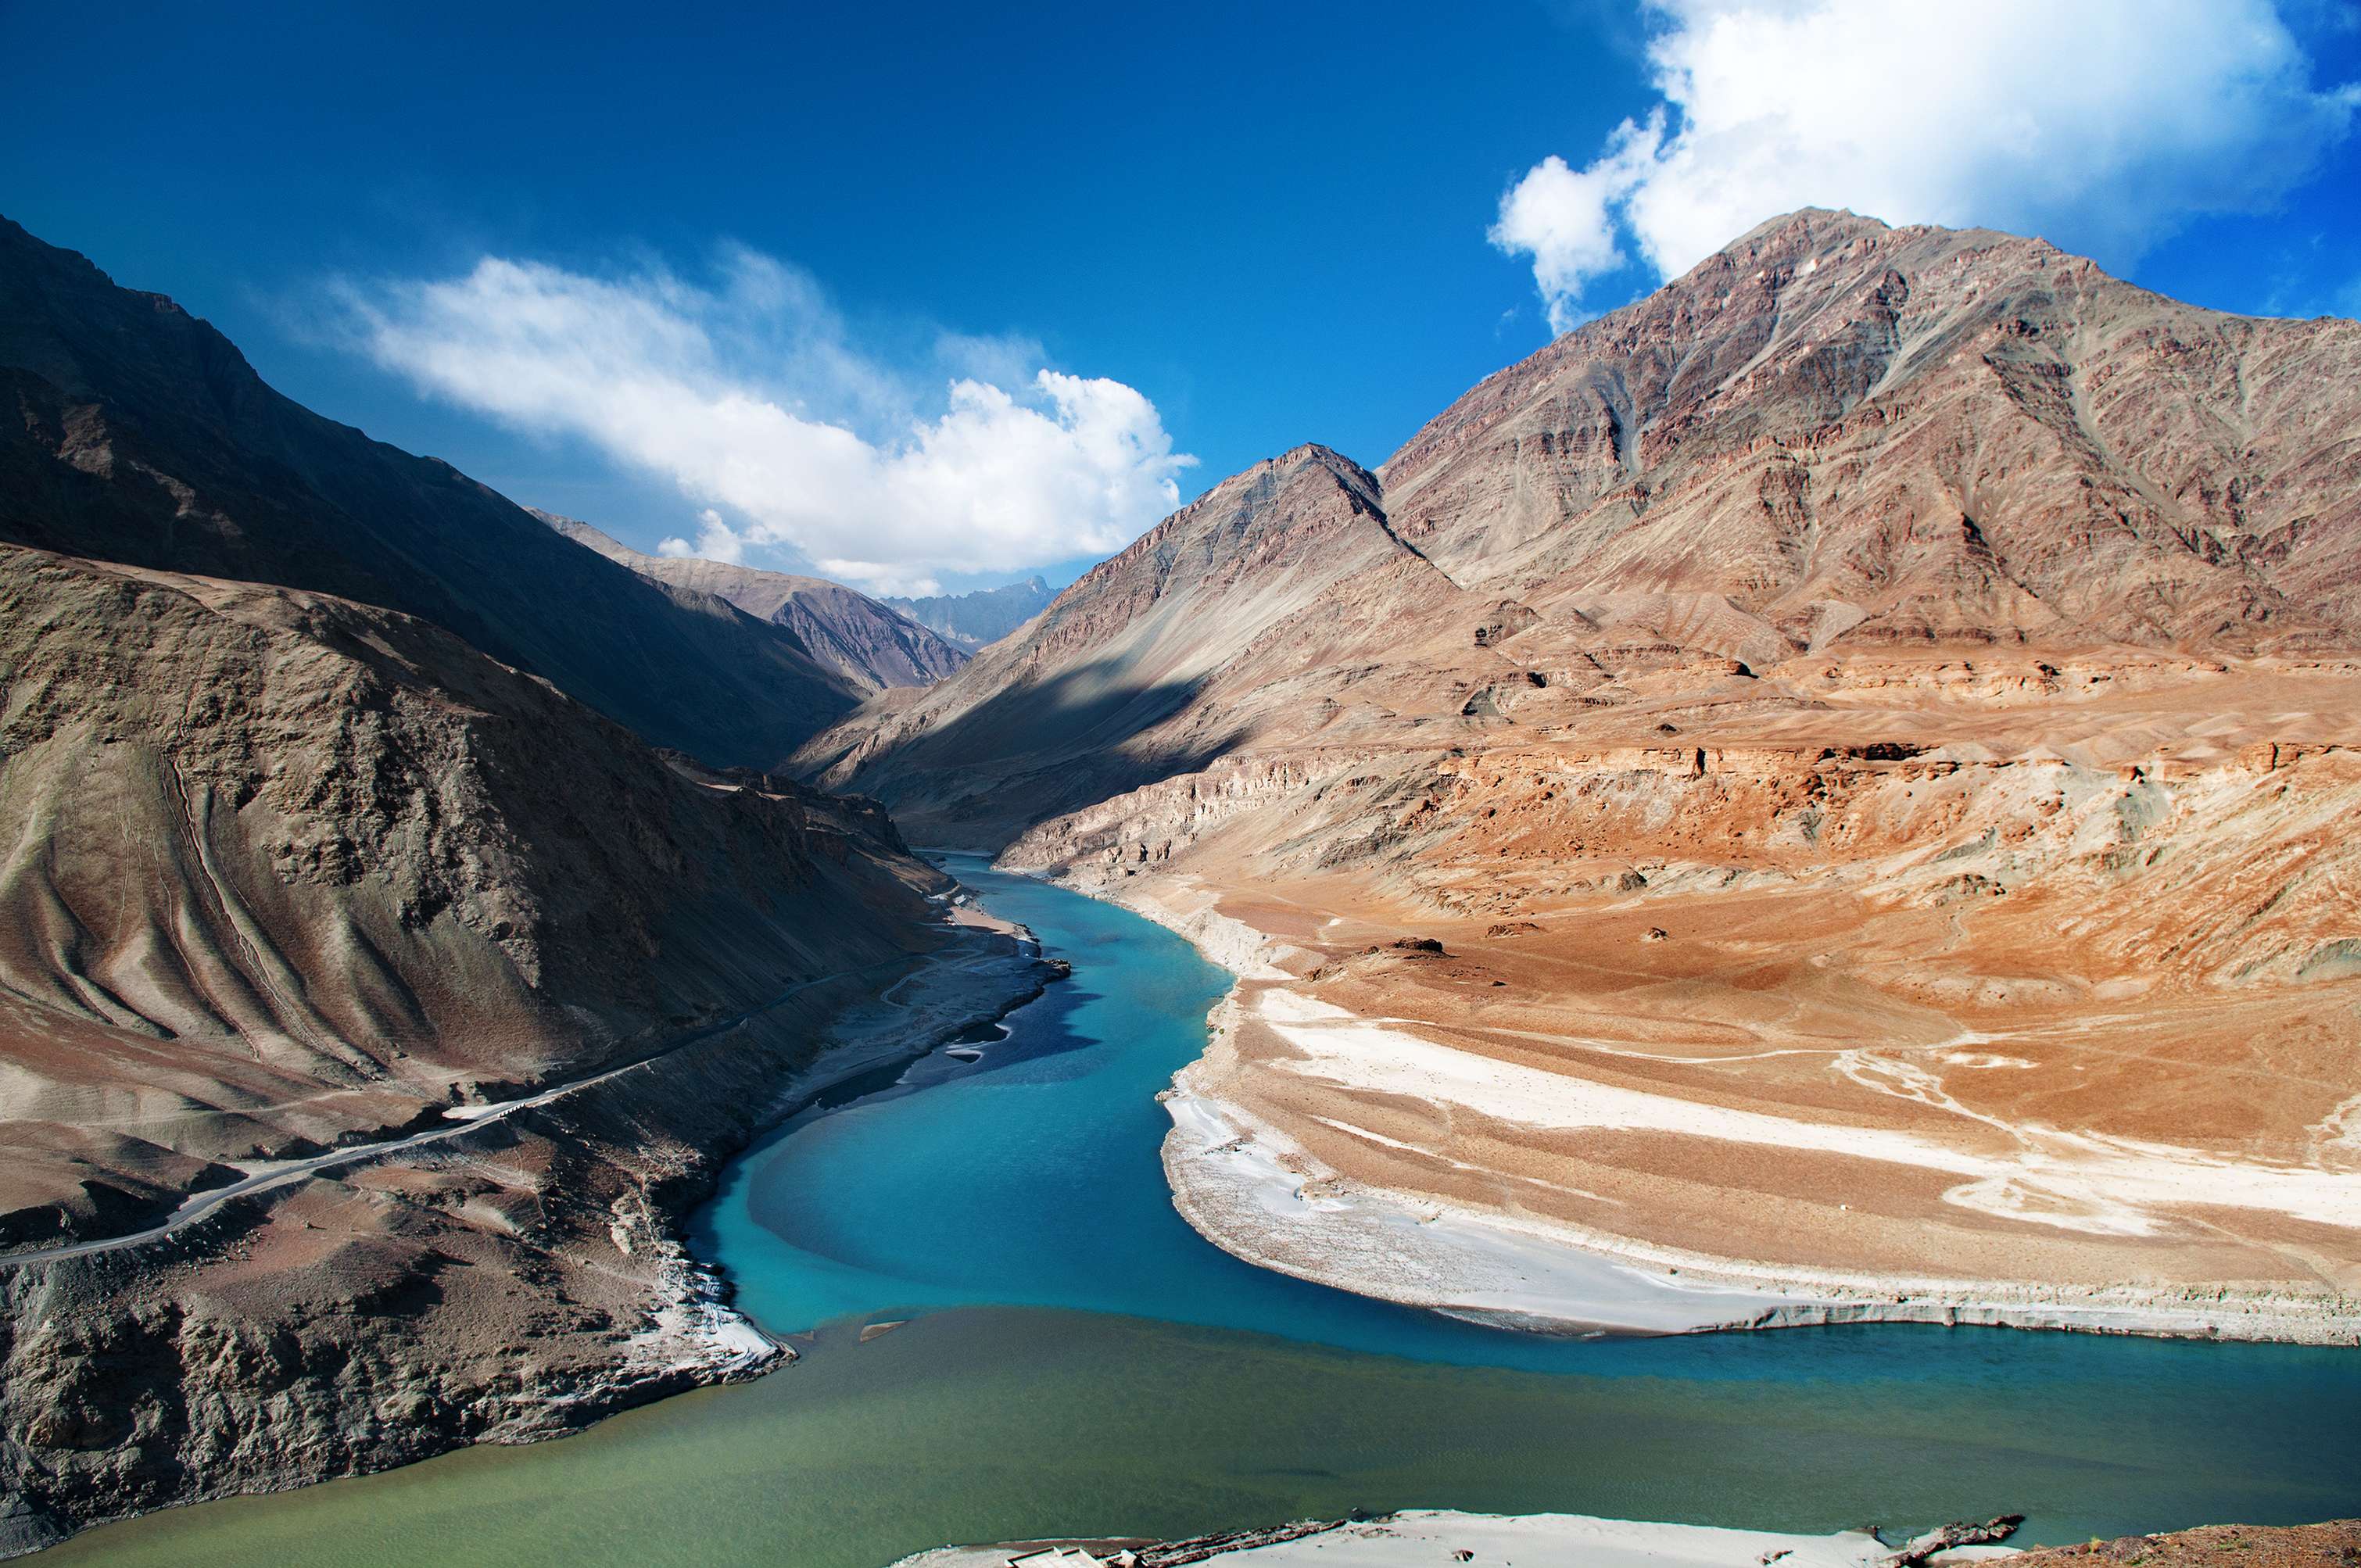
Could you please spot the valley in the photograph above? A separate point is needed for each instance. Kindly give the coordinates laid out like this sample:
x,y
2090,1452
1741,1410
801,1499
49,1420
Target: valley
x,y
1753,793
1815,803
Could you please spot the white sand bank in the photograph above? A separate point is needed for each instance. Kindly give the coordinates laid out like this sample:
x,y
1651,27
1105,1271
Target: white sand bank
x,y
1425,1538
2070,1181
1254,1192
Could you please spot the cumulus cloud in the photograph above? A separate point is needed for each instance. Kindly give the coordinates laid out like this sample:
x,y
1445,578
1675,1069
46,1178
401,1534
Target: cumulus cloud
x,y
2101,124
749,395
716,541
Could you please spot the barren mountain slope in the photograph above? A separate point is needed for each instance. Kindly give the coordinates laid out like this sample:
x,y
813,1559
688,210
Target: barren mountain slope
x,y
1856,742
1857,434
284,873
136,433
868,643
1135,671
1831,437
271,847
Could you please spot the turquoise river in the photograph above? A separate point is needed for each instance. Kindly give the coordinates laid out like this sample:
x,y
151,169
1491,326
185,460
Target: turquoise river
x,y
1077,1361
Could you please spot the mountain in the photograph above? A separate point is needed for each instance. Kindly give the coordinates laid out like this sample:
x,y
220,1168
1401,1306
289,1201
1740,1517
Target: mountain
x,y
139,434
290,874
864,642
984,616
1821,781
1861,435
270,841
382,980
1830,437
1134,672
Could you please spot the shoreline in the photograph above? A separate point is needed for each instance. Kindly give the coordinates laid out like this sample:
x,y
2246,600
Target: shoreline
x,y
702,1301
1422,1536
1248,1189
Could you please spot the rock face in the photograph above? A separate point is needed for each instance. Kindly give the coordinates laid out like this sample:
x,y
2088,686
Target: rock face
x,y
1852,435
986,616
1890,689
136,433
871,645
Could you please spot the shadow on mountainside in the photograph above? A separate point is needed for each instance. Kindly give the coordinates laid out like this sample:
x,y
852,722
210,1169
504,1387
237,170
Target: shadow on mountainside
x,y
1035,750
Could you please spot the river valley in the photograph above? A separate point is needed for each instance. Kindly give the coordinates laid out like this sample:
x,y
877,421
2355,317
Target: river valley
x,y
1076,1360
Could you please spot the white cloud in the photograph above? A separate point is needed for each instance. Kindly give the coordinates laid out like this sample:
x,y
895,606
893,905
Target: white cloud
x,y
1563,219
2101,124
716,541
751,398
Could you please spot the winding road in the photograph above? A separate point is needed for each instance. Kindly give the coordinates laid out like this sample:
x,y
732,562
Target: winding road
x,y
268,1175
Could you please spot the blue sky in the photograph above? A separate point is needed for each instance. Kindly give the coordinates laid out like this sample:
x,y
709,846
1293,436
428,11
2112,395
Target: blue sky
x,y
662,274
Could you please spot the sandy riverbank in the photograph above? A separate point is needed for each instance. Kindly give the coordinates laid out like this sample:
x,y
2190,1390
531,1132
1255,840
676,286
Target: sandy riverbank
x,y
1420,1537
1257,1189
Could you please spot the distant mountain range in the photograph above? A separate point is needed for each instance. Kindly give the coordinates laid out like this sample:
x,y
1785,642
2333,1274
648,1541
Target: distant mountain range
x,y
867,642
986,616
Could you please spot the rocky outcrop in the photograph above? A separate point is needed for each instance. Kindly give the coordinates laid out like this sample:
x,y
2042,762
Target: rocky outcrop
x,y
868,643
136,433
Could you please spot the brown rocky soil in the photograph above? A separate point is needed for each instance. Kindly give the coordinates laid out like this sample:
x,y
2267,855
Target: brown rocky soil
x,y
2336,1544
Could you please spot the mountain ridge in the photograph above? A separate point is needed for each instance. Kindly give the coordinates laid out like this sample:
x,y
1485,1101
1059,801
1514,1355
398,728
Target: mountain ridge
x,y
1749,481
980,616
864,639
141,435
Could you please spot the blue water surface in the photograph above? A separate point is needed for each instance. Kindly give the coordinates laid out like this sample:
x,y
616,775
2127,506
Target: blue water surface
x,y
1032,1178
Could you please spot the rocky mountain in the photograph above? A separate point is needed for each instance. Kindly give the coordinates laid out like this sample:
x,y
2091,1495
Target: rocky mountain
x,y
1128,675
270,842
1856,434
137,433
374,1002
984,616
869,644
1830,437
291,873
1820,781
